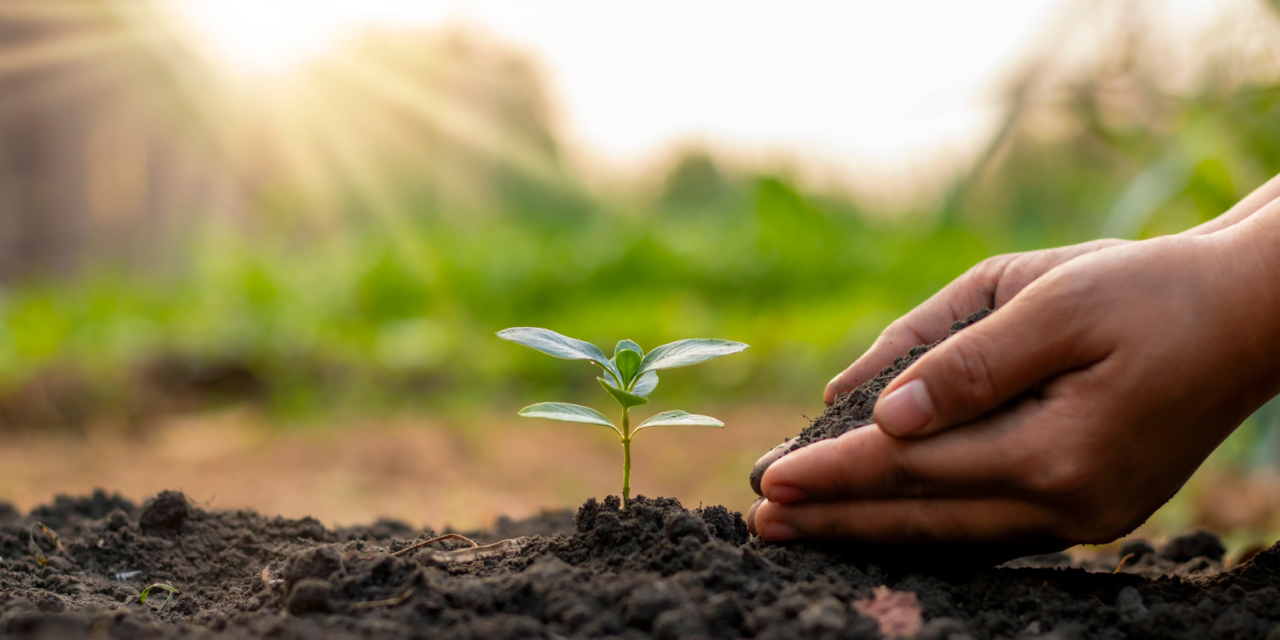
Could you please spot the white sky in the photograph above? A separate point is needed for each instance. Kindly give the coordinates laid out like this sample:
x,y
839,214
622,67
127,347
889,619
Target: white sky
x,y
867,85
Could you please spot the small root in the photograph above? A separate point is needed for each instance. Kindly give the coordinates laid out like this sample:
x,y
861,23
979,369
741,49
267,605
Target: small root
x,y
447,536
383,603
1122,561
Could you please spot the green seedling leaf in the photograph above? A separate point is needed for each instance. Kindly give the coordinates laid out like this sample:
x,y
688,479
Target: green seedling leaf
x,y
645,384
142,597
686,352
566,412
627,345
628,363
560,346
679,419
625,399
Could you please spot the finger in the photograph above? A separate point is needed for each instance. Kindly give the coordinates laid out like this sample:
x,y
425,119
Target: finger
x,y
766,460
1037,335
908,521
979,460
926,324
991,284
751,516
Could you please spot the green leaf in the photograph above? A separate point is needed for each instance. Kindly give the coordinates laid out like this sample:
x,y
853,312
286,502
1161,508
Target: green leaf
x,y
566,412
625,399
679,419
142,599
686,352
645,384
627,345
628,363
560,346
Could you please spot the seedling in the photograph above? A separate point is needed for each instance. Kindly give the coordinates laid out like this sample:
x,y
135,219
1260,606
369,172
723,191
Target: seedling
x,y
142,597
629,377
35,549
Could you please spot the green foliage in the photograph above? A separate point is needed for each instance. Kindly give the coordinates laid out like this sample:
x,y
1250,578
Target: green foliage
x,y
370,304
629,366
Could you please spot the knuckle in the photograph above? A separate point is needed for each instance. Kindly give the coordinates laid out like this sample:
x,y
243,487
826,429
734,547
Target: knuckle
x,y
1061,479
971,378
904,477
917,526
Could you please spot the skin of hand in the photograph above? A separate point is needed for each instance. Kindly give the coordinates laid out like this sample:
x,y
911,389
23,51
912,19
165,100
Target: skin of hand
x,y
1107,374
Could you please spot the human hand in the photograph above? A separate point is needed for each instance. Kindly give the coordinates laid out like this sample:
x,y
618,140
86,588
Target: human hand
x,y
990,284
1067,416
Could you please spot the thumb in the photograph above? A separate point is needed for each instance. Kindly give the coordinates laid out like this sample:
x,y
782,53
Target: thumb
x,y
979,369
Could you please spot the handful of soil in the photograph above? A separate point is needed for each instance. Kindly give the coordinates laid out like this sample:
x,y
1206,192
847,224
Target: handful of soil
x,y
853,409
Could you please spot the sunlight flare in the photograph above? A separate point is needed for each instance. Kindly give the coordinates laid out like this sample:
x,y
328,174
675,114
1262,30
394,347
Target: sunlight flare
x,y
252,36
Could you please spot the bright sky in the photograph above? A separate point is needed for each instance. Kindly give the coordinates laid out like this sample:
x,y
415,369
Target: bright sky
x,y
863,84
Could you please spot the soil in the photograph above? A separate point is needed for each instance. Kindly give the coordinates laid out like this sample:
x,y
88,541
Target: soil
x,y
852,409
654,570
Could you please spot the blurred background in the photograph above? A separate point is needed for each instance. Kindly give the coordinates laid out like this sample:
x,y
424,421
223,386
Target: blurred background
x,y
258,250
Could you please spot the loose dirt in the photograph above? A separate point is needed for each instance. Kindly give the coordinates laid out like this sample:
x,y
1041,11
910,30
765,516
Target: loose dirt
x,y
853,409
654,570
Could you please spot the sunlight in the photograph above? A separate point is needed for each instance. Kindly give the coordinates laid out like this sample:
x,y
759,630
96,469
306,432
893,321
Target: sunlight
x,y
253,36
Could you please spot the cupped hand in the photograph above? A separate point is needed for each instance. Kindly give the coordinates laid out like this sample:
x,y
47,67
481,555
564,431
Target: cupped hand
x,y
1106,375
990,284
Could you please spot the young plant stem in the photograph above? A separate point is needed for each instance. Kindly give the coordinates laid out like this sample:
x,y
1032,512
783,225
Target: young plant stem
x,y
626,455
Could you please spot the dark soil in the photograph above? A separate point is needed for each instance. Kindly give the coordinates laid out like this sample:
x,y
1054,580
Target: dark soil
x,y
655,570
852,409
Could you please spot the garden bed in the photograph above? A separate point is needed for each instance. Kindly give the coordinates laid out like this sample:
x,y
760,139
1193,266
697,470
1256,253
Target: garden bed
x,y
653,570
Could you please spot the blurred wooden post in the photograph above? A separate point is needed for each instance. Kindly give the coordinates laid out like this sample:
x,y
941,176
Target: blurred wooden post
x,y
90,169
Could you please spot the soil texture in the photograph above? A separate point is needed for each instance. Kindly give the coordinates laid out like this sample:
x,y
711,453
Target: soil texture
x,y
654,570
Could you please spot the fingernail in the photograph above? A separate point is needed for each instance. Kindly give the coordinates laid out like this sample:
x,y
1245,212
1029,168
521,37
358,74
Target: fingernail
x,y
783,494
779,532
905,411
751,515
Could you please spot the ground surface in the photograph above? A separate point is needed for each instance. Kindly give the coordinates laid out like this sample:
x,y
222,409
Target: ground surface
x,y
652,570
426,470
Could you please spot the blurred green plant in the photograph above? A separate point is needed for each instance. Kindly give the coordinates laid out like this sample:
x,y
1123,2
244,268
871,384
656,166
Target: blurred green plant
x,y
631,374
379,289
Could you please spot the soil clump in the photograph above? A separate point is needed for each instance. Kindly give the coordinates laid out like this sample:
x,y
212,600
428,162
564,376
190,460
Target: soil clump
x,y
852,409
654,570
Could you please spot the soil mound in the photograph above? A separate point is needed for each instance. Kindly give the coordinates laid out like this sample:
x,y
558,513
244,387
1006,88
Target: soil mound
x,y
654,570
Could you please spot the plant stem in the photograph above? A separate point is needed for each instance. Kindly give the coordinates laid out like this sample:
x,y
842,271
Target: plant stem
x,y
626,456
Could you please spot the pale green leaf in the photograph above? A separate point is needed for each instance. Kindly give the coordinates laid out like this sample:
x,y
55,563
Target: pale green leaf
x,y
566,412
679,419
627,345
624,398
686,352
645,384
560,346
